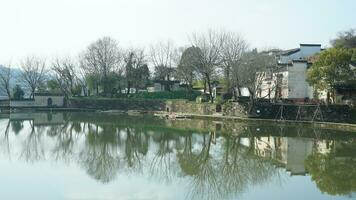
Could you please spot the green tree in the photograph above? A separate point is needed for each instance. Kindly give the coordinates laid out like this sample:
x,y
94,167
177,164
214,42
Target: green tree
x,y
188,63
136,70
53,86
330,68
111,80
18,92
142,77
93,80
5,78
335,177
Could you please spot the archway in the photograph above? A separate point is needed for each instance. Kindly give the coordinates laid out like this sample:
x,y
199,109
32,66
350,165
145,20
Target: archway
x,y
49,102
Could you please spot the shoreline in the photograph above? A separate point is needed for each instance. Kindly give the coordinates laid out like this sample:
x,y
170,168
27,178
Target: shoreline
x,y
316,124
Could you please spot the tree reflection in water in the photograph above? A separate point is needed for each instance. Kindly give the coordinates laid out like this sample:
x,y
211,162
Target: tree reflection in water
x,y
163,164
99,155
136,147
107,146
4,142
335,172
217,178
33,149
63,149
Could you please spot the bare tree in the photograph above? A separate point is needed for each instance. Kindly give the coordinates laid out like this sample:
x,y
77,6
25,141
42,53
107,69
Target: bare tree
x,y
252,72
210,45
164,58
233,48
64,69
81,78
5,77
33,73
102,57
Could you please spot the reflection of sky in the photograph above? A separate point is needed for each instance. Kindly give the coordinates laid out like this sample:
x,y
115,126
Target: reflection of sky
x,y
59,181
47,178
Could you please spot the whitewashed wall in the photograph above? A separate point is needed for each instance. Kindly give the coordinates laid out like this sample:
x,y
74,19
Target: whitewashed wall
x,y
269,86
298,87
39,101
298,150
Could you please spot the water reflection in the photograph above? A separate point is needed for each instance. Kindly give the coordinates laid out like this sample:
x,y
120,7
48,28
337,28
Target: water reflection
x,y
216,160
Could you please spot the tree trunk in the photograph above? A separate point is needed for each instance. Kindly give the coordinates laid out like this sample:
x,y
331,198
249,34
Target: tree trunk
x,y
227,79
33,93
210,89
238,92
189,91
8,92
237,85
334,96
252,101
128,88
204,86
105,88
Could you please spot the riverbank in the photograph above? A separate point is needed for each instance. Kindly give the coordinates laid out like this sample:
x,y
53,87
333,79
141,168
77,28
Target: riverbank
x,y
288,113
330,117
315,124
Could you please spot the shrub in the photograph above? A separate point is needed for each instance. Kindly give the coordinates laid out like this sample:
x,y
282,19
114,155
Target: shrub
x,y
167,95
227,96
203,98
18,92
219,100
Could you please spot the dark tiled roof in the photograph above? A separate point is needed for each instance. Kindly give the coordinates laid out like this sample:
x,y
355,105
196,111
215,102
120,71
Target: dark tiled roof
x,y
166,82
311,45
47,94
300,61
289,52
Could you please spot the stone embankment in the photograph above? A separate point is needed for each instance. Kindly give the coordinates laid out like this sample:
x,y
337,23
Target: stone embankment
x,y
117,104
281,112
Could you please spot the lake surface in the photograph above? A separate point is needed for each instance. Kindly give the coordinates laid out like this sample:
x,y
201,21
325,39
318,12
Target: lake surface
x,y
89,156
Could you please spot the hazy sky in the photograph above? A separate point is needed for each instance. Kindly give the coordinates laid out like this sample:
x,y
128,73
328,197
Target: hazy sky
x,y
65,27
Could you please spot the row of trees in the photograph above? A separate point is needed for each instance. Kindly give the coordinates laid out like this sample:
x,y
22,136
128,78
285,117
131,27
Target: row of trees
x,y
106,69
223,55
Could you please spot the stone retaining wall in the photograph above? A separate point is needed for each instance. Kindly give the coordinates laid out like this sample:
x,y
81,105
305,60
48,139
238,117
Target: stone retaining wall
x,y
117,104
4,103
235,109
183,106
331,113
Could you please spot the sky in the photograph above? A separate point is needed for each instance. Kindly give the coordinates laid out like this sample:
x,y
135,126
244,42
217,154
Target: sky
x,y
50,28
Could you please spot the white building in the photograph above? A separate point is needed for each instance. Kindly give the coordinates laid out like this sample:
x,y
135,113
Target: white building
x,y
40,100
164,85
290,152
288,79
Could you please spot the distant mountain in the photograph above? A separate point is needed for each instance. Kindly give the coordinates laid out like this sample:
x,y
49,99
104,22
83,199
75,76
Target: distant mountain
x,y
15,79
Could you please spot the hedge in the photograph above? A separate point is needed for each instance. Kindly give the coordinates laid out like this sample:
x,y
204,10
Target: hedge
x,y
167,95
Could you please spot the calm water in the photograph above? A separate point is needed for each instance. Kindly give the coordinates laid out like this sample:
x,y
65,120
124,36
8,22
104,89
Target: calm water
x,y
105,156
